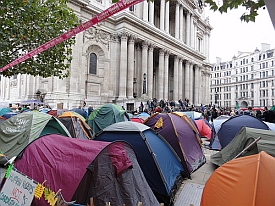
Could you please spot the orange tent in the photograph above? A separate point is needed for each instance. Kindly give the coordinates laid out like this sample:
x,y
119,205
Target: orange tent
x,y
244,181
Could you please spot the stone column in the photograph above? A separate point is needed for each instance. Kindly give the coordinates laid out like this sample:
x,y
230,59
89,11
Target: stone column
x,y
167,9
180,86
131,65
160,74
139,10
188,28
150,72
151,12
123,66
207,45
144,62
195,35
19,85
176,78
9,88
191,83
138,73
162,14
187,80
177,19
166,75
181,24
145,11
207,87
192,30
197,83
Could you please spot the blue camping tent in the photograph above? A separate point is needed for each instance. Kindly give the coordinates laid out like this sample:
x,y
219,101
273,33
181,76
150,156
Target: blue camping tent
x,y
230,127
9,115
160,164
4,110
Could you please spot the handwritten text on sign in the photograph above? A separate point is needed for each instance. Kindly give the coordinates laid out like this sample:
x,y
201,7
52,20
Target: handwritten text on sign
x,y
119,6
17,191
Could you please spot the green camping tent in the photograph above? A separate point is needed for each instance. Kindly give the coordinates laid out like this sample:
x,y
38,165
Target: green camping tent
x,y
18,131
106,115
242,139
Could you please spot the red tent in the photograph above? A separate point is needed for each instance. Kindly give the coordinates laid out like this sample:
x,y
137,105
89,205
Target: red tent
x,y
137,119
204,129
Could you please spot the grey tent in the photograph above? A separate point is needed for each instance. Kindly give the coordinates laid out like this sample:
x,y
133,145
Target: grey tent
x,y
109,178
242,139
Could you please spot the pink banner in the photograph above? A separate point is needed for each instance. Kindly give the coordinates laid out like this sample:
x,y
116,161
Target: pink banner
x,y
119,6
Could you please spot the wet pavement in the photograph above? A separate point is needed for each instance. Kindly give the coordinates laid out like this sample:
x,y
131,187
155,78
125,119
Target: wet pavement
x,y
191,190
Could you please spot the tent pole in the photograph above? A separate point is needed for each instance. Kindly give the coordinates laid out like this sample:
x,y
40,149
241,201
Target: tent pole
x,y
248,147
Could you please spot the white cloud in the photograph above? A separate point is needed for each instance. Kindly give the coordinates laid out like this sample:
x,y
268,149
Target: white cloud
x,y
231,35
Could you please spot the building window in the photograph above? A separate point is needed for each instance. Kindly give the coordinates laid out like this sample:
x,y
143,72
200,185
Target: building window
x,y
252,76
131,8
259,57
263,56
252,94
252,86
199,44
266,73
252,59
93,63
266,64
252,67
272,63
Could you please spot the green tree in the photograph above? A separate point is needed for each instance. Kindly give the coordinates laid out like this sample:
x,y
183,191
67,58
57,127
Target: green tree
x,y
26,25
252,7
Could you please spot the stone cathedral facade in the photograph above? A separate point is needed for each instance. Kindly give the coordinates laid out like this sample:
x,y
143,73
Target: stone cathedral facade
x,y
151,50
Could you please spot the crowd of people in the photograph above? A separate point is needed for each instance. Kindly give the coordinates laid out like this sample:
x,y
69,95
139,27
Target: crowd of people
x,y
209,112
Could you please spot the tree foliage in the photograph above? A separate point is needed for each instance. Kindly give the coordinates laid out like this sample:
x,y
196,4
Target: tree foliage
x,y
26,25
252,7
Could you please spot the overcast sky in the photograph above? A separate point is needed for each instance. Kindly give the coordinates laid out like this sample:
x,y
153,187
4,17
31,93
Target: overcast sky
x,y
231,35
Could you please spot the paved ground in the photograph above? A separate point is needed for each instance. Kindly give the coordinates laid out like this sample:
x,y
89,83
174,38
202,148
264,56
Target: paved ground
x,y
191,190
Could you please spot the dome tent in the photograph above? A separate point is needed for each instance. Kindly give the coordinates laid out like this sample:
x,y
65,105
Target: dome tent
x,y
106,115
158,161
181,133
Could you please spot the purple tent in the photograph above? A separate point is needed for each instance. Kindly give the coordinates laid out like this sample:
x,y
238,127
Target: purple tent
x,y
181,136
66,162
59,160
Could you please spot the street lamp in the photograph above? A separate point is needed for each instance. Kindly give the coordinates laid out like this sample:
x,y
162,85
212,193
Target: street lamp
x,y
144,83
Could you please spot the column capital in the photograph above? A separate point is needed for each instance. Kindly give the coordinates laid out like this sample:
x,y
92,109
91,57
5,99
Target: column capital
x,y
161,52
151,47
132,38
124,36
114,37
176,58
145,44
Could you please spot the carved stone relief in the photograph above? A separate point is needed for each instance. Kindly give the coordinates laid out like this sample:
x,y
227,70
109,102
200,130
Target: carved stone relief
x,y
97,34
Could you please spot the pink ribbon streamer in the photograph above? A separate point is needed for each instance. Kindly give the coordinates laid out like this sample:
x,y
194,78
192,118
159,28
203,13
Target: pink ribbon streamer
x,y
119,6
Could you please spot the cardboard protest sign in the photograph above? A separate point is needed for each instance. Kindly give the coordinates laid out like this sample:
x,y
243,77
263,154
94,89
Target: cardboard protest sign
x,y
18,190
